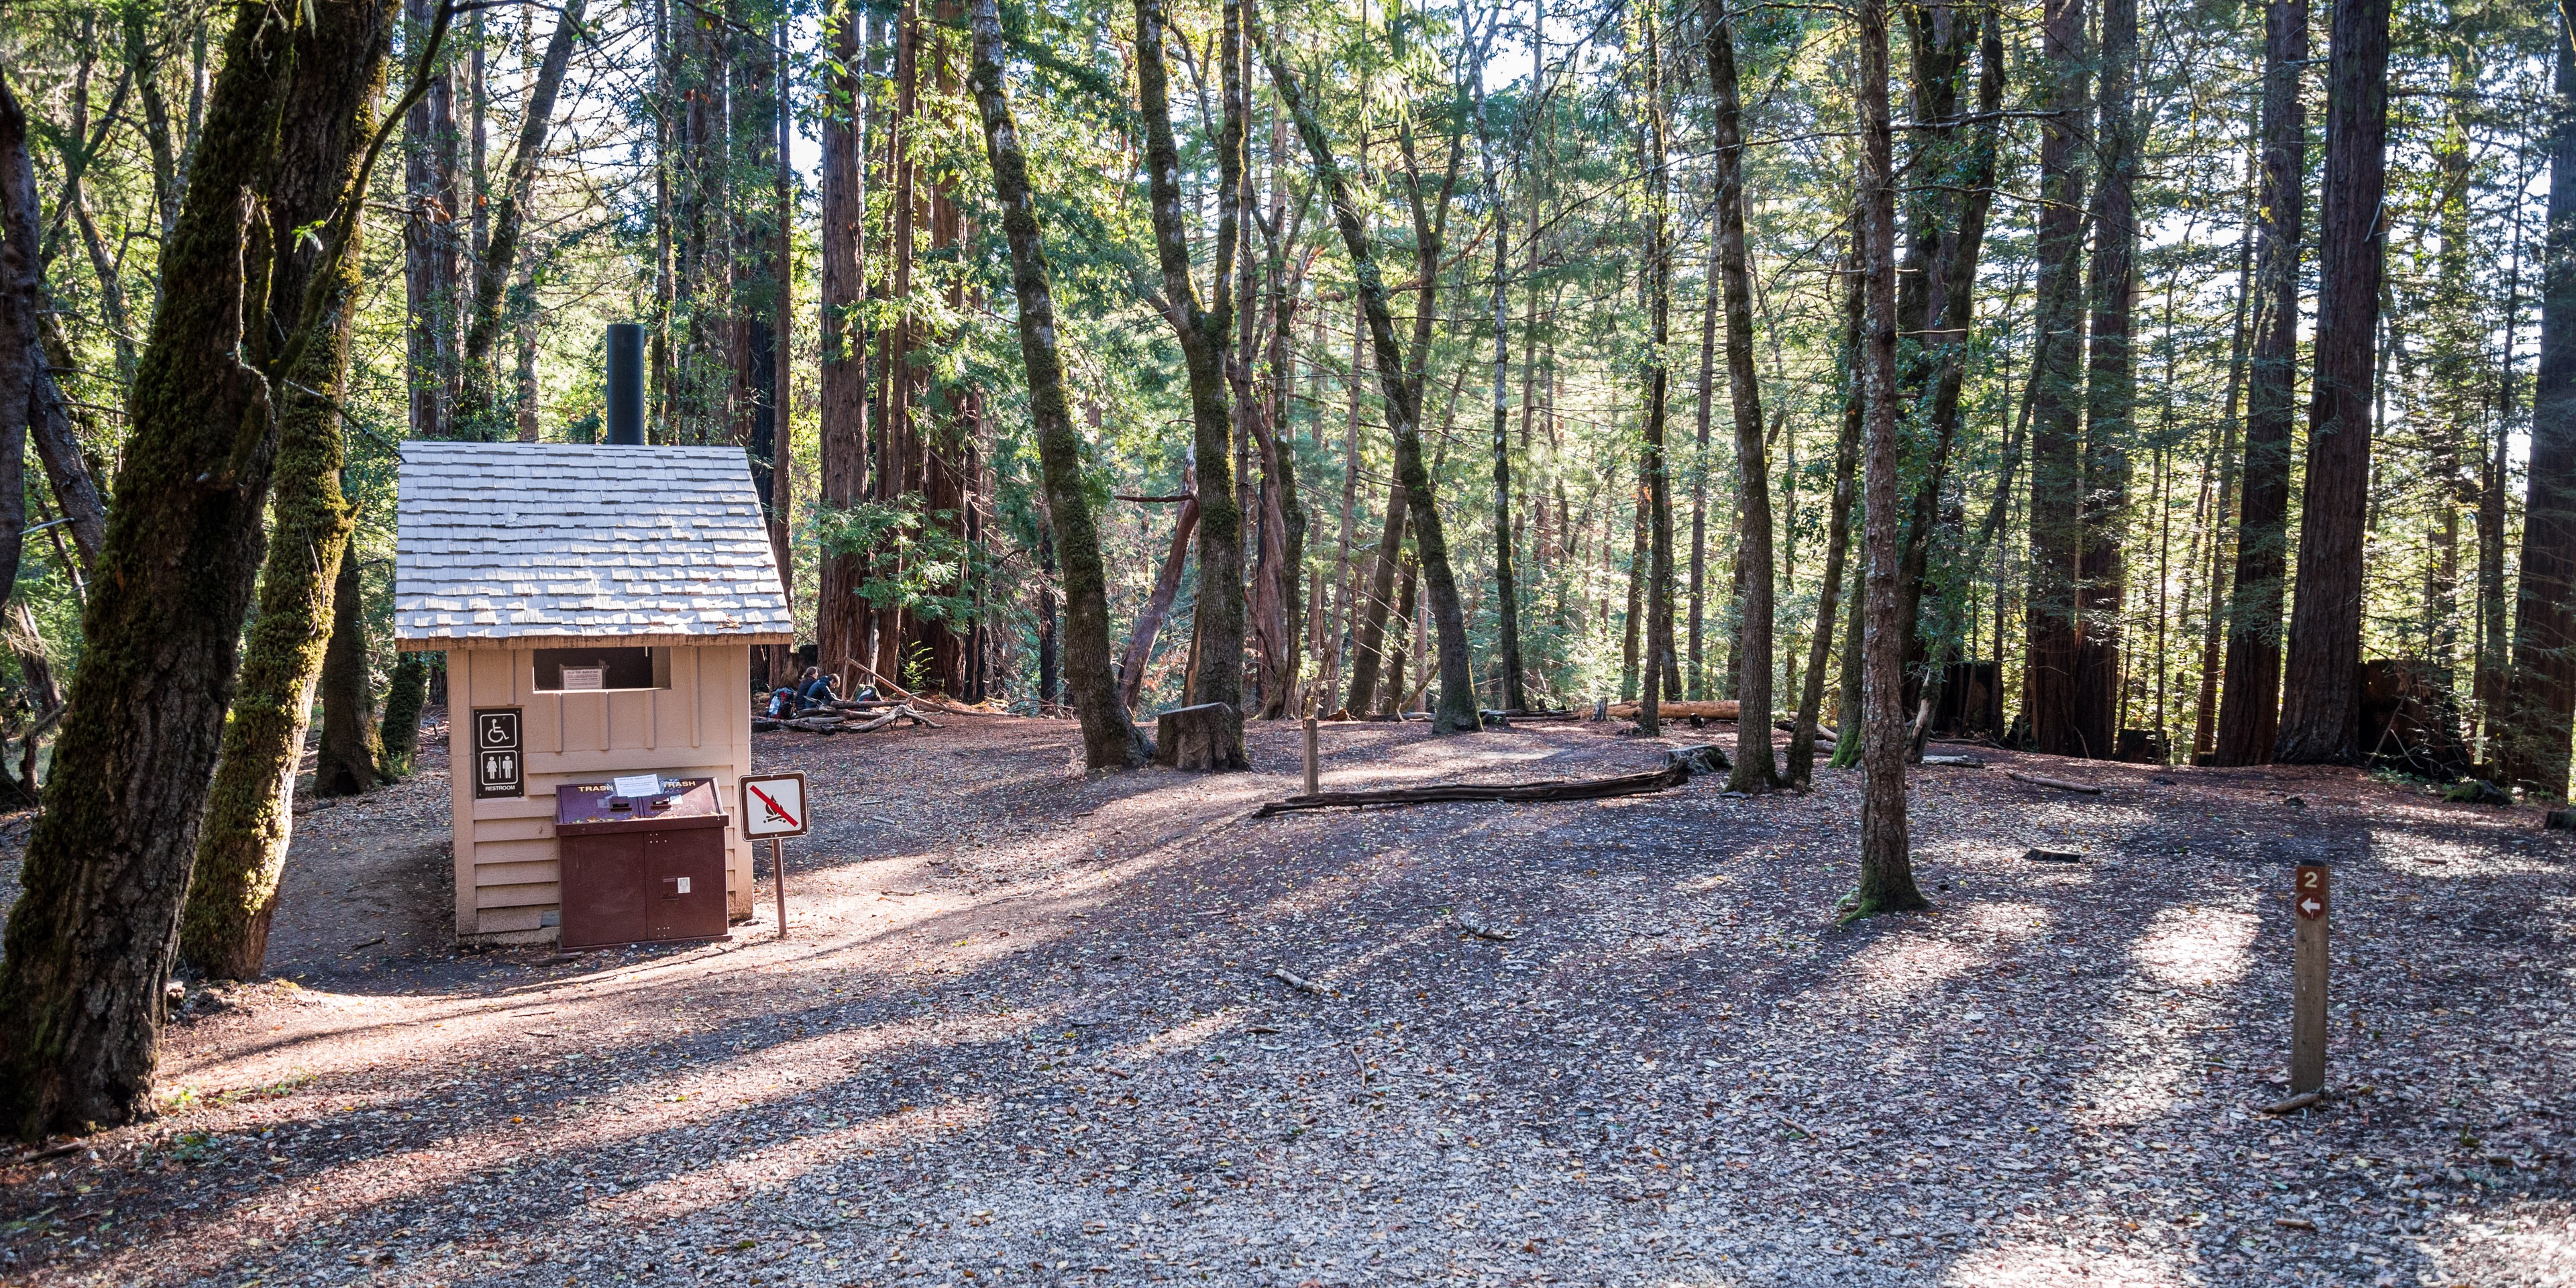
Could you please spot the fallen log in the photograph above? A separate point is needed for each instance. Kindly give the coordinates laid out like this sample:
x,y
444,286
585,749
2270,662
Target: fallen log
x,y
1676,771
2058,783
1725,710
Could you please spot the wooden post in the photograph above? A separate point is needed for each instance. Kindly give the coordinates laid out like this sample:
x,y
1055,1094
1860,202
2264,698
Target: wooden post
x,y
778,878
1313,779
2309,903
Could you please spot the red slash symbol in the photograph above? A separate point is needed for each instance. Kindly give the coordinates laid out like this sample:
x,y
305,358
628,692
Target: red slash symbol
x,y
775,809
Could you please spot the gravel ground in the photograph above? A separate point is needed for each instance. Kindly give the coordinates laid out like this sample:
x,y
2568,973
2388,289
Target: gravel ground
x,y
1025,1031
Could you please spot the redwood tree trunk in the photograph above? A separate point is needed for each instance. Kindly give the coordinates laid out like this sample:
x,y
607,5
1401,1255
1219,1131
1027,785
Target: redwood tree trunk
x,y
2321,693
107,867
2540,698
1369,637
2249,710
2056,484
2110,391
839,630
1659,487
1109,739
1753,622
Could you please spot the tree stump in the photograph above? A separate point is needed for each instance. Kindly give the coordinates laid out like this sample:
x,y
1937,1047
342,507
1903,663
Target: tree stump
x,y
1205,737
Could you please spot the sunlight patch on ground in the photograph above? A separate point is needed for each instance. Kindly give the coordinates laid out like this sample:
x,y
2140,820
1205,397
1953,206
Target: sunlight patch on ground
x,y
2507,1246
2004,920
1896,968
775,1167
2037,1265
2191,946
1187,1036
2155,1034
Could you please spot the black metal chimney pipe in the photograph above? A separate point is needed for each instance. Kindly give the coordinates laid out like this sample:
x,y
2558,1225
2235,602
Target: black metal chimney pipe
x,y
625,384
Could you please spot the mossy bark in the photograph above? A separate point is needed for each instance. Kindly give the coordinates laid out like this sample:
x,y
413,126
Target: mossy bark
x,y
351,747
107,869
1217,626
406,693
1109,739
250,813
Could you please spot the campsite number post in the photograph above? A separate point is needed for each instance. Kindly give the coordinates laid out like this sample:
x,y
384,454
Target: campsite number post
x,y
2310,893
774,806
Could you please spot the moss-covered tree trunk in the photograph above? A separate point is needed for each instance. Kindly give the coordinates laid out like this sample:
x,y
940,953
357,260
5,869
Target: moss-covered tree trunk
x,y
1401,384
1207,349
406,694
107,868
250,813
1109,739
351,748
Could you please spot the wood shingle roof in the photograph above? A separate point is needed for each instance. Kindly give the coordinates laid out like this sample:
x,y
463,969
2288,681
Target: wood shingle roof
x,y
536,545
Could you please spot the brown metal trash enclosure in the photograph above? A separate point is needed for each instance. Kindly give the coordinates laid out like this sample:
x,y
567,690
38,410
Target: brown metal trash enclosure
x,y
643,869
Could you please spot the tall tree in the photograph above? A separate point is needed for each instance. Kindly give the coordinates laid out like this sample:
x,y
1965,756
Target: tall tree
x,y
431,252
22,303
2540,698
1656,143
107,868
1754,770
250,810
1207,347
842,387
1507,609
1800,760
2249,711
1401,384
496,269
2110,389
1886,858
1109,740
2321,691
2056,480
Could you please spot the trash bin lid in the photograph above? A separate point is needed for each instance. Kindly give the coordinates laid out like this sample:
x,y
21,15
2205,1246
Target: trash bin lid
x,y
678,803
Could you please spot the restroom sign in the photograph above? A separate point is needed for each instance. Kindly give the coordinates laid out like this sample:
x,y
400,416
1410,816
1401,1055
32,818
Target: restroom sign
x,y
500,770
773,805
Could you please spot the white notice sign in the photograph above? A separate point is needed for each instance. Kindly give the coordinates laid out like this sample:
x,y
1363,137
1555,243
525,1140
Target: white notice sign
x,y
633,786
773,805
584,678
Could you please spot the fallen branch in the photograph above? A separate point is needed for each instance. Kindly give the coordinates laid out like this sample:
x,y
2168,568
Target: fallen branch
x,y
1297,981
2058,783
1471,924
1955,762
1673,774
2303,1100
908,698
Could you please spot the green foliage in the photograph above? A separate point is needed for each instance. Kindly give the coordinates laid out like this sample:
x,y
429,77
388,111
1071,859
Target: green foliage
x,y
913,559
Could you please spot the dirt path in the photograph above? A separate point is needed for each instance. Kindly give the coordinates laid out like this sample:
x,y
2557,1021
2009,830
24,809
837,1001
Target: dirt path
x,y
1025,1031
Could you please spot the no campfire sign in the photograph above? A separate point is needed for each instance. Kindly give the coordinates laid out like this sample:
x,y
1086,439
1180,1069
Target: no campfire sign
x,y
773,805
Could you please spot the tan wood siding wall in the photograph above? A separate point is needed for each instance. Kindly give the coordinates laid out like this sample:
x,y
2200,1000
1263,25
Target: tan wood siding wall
x,y
700,727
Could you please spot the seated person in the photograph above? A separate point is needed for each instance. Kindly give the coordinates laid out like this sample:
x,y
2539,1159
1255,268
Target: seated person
x,y
782,702
820,691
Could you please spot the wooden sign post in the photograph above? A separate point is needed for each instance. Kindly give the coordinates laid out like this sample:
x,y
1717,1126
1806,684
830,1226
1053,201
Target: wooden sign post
x,y
1313,778
773,806
2310,893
